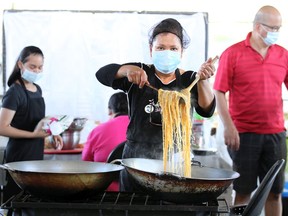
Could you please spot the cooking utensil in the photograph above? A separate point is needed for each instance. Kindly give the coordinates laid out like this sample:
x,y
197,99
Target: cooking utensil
x,y
205,183
197,78
71,136
188,88
152,87
70,139
62,179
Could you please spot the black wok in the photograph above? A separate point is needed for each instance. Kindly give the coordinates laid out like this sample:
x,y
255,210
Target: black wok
x,y
205,183
62,179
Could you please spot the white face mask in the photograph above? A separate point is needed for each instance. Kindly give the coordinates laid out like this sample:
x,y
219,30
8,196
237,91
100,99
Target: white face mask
x,y
30,76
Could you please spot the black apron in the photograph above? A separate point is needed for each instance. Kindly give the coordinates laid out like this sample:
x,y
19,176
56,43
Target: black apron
x,y
25,149
138,149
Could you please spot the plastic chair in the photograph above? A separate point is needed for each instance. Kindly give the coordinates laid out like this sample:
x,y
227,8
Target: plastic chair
x,y
257,202
116,153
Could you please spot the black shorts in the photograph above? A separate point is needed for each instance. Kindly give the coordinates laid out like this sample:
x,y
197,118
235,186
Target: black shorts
x,y
257,153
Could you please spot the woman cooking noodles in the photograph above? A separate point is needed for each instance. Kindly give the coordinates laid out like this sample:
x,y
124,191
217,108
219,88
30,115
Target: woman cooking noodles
x,y
167,42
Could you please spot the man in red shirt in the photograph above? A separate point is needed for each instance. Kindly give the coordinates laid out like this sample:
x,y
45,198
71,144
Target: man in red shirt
x,y
252,71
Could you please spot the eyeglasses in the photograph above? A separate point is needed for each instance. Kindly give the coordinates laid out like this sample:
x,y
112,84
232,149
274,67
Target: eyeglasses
x,y
272,28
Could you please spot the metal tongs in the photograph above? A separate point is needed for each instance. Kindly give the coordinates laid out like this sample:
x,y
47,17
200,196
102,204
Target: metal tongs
x,y
152,87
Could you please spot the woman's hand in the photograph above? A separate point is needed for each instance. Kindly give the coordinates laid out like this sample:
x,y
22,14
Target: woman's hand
x,y
57,142
205,93
207,69
39,132
134,74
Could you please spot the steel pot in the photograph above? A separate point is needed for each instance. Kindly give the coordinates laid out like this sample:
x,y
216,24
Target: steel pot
x,y
70,139
205,183
71,136
62,179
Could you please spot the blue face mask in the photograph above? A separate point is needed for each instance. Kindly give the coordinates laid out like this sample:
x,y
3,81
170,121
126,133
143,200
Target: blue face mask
x,y
271,38
31,76
166,61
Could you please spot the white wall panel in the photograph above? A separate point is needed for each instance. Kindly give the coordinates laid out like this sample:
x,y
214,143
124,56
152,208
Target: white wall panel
x,y
76,44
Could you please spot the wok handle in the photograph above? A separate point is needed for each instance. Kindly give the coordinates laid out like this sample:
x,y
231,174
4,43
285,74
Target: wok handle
x,y
3,166
117,161
196,163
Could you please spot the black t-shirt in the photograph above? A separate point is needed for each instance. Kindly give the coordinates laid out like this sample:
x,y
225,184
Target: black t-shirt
x,y
29,109
143,110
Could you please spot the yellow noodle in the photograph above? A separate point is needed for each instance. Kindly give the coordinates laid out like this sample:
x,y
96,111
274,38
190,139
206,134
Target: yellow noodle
x,y
177,127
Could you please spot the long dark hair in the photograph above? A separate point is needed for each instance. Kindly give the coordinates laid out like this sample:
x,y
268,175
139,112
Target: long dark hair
x,y
23,57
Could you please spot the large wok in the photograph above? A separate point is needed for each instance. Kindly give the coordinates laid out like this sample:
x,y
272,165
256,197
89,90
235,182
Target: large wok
x,y
205,183
62,179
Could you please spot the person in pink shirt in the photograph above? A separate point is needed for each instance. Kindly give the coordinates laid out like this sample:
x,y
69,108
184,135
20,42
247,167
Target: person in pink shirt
x,y
106,136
